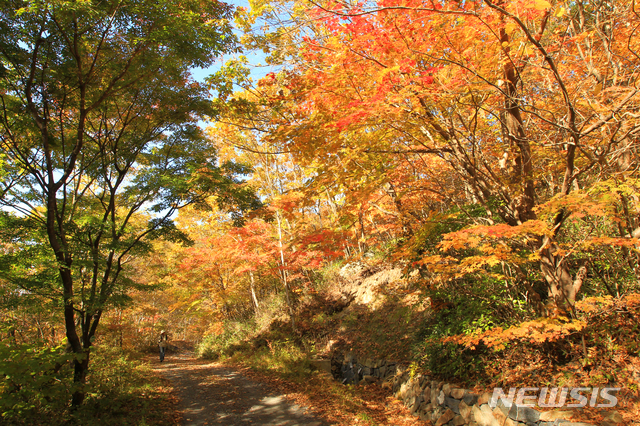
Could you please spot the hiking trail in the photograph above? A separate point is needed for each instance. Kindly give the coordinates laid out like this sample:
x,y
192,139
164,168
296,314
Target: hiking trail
x,y
213,394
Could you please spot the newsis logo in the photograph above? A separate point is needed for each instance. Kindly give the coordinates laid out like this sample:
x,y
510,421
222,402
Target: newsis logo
x,y
555,397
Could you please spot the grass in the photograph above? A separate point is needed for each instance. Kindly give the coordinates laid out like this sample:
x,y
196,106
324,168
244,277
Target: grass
x,y
337,404
121,389
285,359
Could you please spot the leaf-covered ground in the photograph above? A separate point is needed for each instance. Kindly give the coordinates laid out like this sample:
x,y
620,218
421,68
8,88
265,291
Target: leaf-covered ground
x,y
343,405
213,394
217,394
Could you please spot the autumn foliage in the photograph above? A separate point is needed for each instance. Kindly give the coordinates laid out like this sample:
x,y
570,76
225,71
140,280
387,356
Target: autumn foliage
x,y
489,147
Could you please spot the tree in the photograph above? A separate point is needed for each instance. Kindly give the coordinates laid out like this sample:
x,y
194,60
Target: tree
x,y
100,143
521,102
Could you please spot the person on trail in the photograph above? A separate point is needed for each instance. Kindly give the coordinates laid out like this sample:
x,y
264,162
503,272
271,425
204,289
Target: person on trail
x,y
162,344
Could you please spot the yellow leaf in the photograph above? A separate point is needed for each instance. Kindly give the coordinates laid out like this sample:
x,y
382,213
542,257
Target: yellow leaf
x,y
510,27
541,4
561,12
597,89
387,71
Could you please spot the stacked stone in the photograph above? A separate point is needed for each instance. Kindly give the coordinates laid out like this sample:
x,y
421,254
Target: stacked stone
x,y
355,372
442,403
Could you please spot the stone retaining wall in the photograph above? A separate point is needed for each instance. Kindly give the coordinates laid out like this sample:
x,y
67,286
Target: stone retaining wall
x,y
442,403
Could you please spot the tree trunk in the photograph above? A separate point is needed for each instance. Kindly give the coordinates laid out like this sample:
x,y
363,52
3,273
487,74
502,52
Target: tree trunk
x,y
405,222
80,369
256,306
362,245
563,289
81,363
287,287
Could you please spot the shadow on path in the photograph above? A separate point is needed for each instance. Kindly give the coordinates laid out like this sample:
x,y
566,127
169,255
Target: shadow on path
x,y
211,394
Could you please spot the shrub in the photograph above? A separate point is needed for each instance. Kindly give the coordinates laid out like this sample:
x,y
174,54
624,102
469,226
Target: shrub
x,y
36,383
461,314
228,341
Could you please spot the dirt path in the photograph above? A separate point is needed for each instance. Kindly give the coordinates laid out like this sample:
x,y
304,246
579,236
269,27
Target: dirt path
x,y
212,394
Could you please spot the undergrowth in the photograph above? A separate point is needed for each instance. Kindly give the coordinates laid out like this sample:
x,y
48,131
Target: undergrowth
x,y
38,383
445,340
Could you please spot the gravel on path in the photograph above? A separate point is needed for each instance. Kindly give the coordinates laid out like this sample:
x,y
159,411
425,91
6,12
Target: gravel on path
x,y
212,394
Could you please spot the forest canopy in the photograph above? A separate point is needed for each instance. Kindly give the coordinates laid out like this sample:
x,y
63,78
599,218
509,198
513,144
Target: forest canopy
x,y
488,148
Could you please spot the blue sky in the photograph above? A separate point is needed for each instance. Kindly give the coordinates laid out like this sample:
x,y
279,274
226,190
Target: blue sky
x,y
255,58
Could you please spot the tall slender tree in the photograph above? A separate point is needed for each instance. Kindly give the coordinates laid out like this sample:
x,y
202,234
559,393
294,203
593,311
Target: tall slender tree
x,y
99,139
